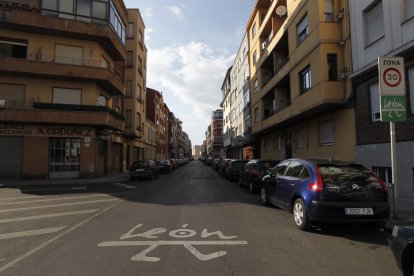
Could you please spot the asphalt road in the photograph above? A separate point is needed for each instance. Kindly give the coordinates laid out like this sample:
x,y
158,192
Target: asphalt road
x,y
189,222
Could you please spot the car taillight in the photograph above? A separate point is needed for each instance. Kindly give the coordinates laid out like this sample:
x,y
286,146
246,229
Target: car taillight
x,y
382,183
318,185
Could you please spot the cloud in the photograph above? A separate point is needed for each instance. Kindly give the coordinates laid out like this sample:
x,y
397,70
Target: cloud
x,y
193,73
148,32
177,11
148,12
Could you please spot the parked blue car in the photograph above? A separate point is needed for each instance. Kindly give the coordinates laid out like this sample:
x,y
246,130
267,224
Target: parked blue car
x,y
321,191
402,245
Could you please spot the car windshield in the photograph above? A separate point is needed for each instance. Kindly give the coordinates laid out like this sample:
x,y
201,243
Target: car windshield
x,y
140,164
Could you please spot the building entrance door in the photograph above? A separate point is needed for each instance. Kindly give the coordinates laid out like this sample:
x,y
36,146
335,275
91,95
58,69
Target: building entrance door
x,y
64,158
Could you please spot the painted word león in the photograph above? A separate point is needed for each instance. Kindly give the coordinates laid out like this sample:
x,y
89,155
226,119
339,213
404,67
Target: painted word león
x,y
152,241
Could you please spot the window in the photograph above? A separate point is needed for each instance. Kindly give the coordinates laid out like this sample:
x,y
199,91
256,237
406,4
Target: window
x,y
409,9
385,173
254,30
411,86
256,114
128,118
67,96
267,145
294,169
305,79
256,86
332,67
280,143
329,11
13,49
302,29
128,88
130,30
326,133
281,168
130,59
375,102
68,54
299,139
374,23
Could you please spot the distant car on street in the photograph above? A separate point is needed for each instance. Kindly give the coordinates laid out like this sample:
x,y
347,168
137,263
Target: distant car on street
x,y
143,169
174,163
324,191
165,166
222,166
402,245
252,173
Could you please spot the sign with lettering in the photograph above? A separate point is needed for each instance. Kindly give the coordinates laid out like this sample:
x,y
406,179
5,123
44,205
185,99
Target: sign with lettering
x,y
391,76
393,109
7,129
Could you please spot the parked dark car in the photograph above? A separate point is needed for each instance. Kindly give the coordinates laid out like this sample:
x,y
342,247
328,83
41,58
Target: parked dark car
x,y
232,172
164,166
252,173
215,164
222,166
321,191
402,245
146,168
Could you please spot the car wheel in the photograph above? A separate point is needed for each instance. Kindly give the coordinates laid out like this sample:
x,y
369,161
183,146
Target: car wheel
x,y
300,217
263,196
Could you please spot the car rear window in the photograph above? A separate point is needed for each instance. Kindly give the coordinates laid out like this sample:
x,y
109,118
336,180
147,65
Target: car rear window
x,y
138,164
345,174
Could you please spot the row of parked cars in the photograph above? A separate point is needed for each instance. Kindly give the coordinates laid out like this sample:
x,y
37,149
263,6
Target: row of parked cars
x,y
151,169
317,191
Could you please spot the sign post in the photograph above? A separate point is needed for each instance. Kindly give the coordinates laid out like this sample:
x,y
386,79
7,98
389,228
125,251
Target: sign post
x,y
393,107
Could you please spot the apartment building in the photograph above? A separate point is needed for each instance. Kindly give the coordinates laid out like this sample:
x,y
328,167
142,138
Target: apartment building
x,y
156,113
299,56
197,150
216,134
226,106
61,87
172,136
150,140
135,85
383,28
209,141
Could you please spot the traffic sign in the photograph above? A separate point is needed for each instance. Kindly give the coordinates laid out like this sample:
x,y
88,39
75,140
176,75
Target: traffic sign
x,y
391,76
393,109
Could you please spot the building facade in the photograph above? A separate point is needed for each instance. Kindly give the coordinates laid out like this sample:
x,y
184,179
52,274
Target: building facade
x,y
216,134
197,150
135,90
61,90
299,60
383,28
226,106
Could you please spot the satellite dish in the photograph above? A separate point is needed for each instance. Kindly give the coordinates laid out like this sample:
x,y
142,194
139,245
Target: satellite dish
x,y
101,101
281,11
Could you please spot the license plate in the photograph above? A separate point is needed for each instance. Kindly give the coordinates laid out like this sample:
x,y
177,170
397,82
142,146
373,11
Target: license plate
x,y
139,170
359,211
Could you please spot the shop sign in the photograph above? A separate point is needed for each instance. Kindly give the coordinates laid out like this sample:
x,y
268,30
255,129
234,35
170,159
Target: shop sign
x,y
23,130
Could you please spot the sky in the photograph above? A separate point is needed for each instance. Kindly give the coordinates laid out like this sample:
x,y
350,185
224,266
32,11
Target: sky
x,y
191,44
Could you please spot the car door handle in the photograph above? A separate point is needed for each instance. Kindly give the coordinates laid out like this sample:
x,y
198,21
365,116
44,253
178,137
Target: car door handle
x,y
292,184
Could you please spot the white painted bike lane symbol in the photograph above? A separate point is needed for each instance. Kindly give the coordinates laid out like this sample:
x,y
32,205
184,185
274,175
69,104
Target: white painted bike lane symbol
x,y
179,234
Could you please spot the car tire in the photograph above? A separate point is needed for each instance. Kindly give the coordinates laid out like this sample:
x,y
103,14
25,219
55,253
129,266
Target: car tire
x,y
300,216
264,197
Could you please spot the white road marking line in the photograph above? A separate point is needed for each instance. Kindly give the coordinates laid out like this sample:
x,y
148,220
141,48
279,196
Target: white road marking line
x,y
31,252
55,189
124,185
48,216
52,199
57,205
30,233
22,197
136,243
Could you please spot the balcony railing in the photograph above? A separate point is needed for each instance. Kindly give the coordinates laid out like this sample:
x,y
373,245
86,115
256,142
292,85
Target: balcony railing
x,y
74,61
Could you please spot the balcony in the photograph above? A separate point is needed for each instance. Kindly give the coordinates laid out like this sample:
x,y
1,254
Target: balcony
x,y
49,113
43,66
32,20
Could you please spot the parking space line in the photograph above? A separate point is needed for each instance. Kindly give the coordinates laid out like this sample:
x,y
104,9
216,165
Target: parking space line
x,y
49,216
52,199
22,197
31,233
58,205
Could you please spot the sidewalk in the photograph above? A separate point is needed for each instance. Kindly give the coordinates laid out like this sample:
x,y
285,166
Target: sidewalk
x,y
113,178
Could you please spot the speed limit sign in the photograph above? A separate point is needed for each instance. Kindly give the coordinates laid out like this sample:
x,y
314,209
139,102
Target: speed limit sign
x,y
391,76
